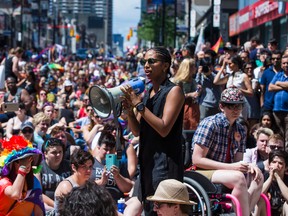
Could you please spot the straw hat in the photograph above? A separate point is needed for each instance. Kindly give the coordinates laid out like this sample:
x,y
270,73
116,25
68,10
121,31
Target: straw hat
x,y
171,191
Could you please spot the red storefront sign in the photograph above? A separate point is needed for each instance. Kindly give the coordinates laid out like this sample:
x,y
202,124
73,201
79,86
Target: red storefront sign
x,y
254,15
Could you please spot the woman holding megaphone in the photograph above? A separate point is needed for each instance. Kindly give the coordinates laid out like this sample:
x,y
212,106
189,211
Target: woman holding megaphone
x,y
157,119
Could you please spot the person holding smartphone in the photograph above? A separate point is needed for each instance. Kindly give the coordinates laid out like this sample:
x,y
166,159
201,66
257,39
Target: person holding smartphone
x,y
115,178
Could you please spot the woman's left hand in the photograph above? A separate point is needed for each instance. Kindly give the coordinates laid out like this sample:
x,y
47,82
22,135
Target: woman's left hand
x,y
115,171
129,95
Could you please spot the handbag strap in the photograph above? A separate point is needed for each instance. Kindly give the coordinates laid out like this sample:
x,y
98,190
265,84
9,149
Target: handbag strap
x,y
11,207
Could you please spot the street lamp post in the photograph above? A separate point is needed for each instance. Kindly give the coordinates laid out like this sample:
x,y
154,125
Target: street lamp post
x,y
189,20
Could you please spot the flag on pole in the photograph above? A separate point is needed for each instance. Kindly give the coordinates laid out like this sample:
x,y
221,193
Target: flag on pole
x,y
200,41
219,45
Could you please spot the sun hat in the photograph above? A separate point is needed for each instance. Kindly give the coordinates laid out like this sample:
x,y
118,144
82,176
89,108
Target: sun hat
x,y
171,191
15,149
26,124
67,82
232,96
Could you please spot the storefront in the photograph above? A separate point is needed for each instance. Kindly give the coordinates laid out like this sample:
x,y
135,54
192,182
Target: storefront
x,y
265,19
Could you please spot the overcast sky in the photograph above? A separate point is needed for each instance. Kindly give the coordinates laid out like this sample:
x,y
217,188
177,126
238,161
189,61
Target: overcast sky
x,y
125,15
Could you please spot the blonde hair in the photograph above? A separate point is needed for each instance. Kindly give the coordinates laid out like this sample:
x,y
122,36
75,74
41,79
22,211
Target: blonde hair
x,y
184,71
276,137
263,130
39,117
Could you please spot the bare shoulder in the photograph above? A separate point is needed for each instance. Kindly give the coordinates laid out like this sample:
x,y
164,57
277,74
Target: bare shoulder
x,y
63,188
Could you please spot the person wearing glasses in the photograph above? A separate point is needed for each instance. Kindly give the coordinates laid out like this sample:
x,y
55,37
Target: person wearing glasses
x,y
157,120
41,99
279,86
82,166
267,97
171,198
54,170
275,185
275,142
218,147
236,79
27,130
14,124
259,154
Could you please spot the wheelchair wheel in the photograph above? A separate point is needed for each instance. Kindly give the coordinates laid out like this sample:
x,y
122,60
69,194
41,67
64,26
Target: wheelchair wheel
x,y
198,195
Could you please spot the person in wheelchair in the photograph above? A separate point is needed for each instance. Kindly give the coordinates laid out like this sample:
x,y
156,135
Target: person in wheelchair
x,y
218,147
171,198
275,185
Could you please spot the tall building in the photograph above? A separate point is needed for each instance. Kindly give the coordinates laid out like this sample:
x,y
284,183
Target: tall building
x,y
93,18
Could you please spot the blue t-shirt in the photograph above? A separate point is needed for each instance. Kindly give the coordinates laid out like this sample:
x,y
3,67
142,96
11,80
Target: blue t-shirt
x,y
281,97
266,80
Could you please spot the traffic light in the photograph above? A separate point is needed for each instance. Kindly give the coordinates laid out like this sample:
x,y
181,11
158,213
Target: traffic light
x,y
77,37
131,32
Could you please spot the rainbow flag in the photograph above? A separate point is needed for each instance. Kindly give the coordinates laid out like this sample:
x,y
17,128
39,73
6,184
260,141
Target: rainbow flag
x,y
218,46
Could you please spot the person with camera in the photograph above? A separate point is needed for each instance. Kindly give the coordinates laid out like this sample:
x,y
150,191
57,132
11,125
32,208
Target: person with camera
x,y
210,94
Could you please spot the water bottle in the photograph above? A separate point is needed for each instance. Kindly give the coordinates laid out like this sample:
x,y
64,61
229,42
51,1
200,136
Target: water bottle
x,y
121,205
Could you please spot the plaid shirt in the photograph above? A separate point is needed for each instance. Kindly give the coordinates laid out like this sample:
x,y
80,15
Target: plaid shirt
x,y
213,133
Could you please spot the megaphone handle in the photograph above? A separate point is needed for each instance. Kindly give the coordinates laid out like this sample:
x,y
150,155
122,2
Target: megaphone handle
x,y
118,142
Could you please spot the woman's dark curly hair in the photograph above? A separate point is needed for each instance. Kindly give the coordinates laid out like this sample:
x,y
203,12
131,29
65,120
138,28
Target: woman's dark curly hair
x,y
89,199
80,157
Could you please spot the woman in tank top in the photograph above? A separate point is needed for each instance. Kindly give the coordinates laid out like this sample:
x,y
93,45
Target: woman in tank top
x,y
236,79
14,124
81,165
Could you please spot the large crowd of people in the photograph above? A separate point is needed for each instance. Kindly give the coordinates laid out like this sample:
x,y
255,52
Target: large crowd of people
x,y
234,101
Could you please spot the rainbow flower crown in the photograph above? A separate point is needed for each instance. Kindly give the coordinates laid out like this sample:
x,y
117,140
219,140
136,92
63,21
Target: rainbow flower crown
x,y
17,148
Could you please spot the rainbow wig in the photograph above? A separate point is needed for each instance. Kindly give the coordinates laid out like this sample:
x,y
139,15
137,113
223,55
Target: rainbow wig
x,y
17,148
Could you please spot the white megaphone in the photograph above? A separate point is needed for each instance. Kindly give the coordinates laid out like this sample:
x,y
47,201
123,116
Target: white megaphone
x,y
103,99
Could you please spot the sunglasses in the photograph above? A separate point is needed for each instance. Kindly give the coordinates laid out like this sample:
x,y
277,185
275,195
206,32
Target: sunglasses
x,y
274,147
158,205
275,58
89,110
150,61
234,106
27,131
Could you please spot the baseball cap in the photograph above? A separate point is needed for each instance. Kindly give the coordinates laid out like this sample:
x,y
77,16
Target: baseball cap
x,y
26,124
232,96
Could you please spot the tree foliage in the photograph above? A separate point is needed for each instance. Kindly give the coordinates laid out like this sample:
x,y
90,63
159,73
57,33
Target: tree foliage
x,y
151,27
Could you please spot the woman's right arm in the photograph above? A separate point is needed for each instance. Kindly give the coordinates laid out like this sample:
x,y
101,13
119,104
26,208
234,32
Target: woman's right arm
x,y
15,190
89,135
218,80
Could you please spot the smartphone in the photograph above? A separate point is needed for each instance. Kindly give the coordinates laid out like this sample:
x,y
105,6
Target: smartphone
x,y
10,107
111,159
